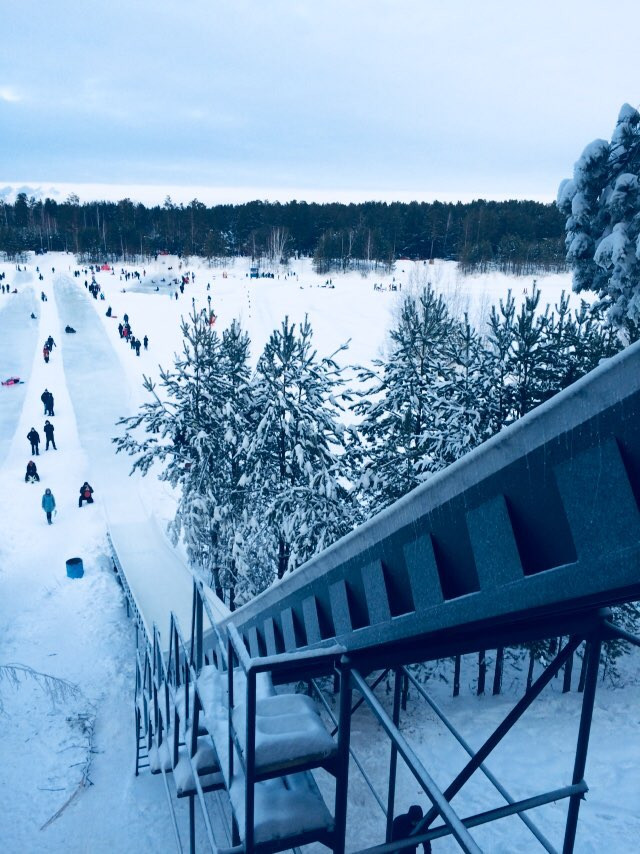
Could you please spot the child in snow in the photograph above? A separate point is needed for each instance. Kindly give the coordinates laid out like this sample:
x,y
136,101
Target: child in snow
x,y
48,504
45,353
86,494
32,473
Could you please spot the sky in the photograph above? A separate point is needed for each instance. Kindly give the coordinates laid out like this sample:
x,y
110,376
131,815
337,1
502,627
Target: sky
x,y
230,100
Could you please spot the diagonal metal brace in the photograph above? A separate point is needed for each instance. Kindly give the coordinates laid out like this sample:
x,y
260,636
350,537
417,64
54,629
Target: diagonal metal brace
x,y
499,733
442,805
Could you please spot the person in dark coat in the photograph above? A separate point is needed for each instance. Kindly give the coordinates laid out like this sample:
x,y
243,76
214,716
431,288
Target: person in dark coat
x,y
48,432
145,341
45,354
108,312
120,329
404,825
86,494
47,398
137,346
69,329
48,504
50,342
34,437
32,473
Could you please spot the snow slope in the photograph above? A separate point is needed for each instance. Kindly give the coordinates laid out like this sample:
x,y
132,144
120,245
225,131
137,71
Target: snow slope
x,y
78,631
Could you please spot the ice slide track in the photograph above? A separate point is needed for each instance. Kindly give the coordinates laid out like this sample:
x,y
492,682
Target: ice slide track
x,y
533,535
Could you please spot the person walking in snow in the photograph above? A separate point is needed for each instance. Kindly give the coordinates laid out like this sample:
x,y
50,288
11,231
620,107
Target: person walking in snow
x,y
137,346
50,342
86,494
32,473
47,398
145,341
48,432
45,354
120,329
48,504
34,437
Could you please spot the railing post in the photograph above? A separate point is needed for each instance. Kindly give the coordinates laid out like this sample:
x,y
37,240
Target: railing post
x,y
230,700
342,759
588,700
199,641
250,760
399,682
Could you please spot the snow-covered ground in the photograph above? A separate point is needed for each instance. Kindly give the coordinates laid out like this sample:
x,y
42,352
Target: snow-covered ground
x,y
77,630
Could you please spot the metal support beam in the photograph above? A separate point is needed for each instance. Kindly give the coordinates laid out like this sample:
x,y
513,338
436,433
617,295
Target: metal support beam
x,y
360,700
499,733
542,839
588,700
479,819
621,634
342,758
441,805
398,686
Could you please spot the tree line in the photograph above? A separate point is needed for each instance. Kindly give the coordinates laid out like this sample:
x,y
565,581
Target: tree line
x,y
275,464
513,236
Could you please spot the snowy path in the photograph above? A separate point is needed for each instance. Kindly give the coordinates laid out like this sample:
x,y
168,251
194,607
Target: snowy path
x,y
158,579
17,345
75,630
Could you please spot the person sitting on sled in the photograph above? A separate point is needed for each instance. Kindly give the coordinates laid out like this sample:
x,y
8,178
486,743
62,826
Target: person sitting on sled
x,y
32,473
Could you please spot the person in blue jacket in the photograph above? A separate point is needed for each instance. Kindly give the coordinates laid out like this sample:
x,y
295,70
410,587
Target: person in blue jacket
x,y
48,504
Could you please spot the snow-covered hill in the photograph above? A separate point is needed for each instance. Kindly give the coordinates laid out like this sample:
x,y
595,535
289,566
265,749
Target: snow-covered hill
x,y
78,631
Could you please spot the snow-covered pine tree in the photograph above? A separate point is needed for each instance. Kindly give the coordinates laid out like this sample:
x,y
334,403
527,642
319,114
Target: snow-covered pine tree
x,y
193,425
395,448
466,404
295,452
602,205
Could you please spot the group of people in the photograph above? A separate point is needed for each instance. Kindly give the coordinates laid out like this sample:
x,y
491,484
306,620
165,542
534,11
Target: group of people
x,y
49,344
124,330
31,474
34,437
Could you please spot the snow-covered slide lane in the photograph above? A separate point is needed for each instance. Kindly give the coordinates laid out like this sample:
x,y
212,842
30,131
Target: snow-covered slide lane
x,y
18,338
157,576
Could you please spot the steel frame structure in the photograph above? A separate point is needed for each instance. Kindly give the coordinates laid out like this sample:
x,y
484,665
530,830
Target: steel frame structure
x,y
500,549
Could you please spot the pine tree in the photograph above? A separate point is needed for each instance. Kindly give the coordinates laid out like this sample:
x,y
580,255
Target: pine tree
x,y
400,436
295,453
602,206
193,426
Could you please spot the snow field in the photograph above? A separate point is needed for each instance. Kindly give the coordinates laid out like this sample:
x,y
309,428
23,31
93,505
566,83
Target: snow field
x,y
77,630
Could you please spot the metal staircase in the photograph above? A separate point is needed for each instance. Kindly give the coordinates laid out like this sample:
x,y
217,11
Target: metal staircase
x,y
533,535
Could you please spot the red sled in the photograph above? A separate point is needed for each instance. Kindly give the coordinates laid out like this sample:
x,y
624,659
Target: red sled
x,y
12,381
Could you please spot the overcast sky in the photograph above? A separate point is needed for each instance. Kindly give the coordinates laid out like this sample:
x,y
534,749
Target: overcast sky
x,y
348,99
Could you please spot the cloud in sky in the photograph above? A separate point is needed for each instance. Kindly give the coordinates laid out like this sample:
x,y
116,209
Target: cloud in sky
x,y
404,96
9,95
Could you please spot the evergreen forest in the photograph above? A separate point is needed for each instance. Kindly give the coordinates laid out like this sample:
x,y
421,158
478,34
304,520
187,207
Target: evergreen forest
x,y
520,237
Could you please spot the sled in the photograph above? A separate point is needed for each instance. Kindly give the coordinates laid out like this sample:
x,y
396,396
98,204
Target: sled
x,y
12,381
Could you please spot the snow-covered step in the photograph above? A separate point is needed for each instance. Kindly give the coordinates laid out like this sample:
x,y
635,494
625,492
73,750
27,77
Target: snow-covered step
x,y
289,734
289,809
206,765
160,758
